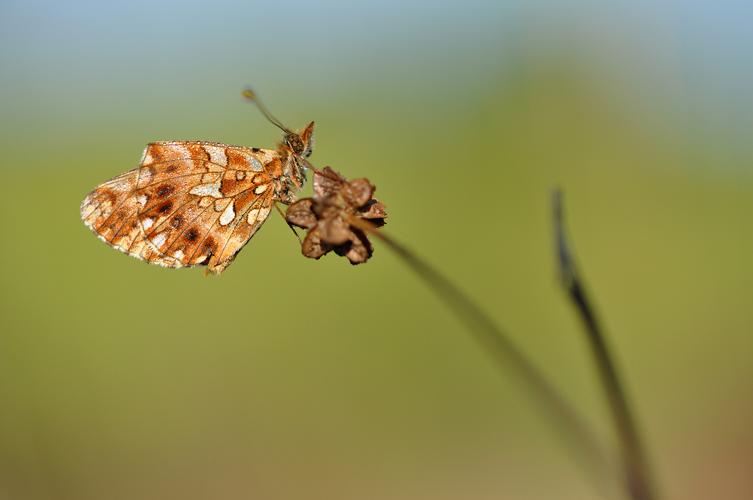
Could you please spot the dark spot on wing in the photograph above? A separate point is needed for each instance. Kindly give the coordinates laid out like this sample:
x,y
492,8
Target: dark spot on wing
x,y
164,190
210,245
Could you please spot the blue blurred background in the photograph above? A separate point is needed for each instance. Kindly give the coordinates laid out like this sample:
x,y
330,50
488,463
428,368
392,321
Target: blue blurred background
x,y
291,378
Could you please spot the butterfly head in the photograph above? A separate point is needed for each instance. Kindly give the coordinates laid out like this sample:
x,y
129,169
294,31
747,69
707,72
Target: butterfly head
x,y
301,144
299,147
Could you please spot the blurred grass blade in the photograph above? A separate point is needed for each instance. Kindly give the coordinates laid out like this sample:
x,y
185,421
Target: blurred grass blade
x,y
637,474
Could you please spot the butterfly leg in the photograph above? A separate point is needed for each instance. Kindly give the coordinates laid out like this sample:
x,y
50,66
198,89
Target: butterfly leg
x,y
291,226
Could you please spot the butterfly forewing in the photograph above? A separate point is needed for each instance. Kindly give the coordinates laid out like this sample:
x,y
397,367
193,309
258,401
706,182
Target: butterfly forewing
x,y
188,203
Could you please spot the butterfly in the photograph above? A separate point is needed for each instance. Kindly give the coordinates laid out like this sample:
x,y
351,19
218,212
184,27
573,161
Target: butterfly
x,y
191,203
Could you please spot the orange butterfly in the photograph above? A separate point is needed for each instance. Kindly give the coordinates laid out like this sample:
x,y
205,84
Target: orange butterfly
x,y
197,203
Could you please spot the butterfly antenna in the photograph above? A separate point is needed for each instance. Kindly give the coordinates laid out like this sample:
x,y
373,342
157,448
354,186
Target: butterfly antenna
x,y
251,96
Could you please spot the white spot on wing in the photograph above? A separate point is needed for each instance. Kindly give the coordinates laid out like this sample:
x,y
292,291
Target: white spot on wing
x,y
212,190
252,216
217,155
159,240
257,215
179,254
255,164
147,223
141,199
261,188
228,215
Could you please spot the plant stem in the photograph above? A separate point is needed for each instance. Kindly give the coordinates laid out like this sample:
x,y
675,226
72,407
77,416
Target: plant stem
x,y
506,355
636,470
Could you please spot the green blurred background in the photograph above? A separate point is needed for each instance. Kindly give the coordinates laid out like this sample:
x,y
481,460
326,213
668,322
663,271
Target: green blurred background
x,y
287,378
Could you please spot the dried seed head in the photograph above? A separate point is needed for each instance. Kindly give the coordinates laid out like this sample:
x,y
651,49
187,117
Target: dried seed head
x,y
330,215
301,214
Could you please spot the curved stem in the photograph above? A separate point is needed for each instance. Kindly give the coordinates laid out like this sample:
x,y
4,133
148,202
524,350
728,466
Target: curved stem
x,y
636,470
506,355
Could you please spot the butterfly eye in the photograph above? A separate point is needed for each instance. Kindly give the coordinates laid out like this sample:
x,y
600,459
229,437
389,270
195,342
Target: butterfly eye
x,y
295,143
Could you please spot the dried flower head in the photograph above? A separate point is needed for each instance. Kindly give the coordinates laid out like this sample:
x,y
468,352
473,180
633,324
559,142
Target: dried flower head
x,y
332,216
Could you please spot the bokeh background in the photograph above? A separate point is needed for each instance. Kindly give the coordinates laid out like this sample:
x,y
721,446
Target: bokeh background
x,y
287,378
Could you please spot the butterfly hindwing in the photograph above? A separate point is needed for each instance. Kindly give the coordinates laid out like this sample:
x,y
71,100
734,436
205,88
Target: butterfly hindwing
x,y
189,203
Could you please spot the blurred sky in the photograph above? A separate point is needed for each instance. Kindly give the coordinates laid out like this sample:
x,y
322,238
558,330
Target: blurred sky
x,y
692,61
